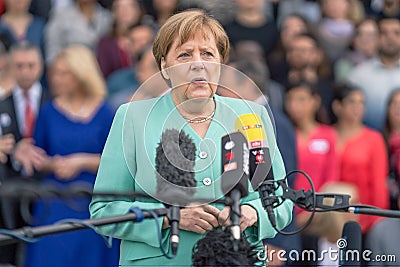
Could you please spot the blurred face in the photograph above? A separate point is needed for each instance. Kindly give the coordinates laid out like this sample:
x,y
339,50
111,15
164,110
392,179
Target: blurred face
x,y
394,110
147,67
26,67
126,12
352,107
249,4
18,5
301,105
62,80
194,67
139,38
366,39
302,53
165,5
389,39
335,9
291,27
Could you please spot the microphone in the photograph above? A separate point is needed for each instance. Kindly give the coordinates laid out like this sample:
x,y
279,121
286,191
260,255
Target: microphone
x,y
235,175
175,156
261,173
350,245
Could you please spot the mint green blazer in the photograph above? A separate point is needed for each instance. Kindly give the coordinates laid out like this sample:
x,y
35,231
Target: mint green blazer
x,y
128,163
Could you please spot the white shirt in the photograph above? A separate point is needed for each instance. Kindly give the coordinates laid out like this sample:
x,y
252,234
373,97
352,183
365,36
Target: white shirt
x,y
34,93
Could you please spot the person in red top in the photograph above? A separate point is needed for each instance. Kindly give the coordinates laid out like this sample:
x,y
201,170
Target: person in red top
x,y
362,151
315,141
391,133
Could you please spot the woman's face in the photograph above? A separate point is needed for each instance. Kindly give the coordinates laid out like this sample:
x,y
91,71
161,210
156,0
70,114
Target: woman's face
x,y
62,80
352,107
394,110
301,105
126,12
367,37
194,67
291,27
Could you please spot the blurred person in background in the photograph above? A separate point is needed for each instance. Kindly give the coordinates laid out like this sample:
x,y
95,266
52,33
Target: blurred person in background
x,y
385,9
358,146
316,142
18,113
363,48
21,24
307,62
379,76
250,23
335,30
391,133
291,26
124,84
72,130
84,22
113,49
326,228
163,9
7,80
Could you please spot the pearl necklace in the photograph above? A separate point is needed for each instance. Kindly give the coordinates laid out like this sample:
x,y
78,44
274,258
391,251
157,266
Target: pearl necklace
x,y
201,120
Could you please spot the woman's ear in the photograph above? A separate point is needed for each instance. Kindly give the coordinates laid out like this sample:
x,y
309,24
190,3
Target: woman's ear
x,y
164,71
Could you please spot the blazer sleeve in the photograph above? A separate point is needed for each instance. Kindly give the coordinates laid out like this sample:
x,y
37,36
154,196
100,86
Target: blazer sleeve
x,y
115,176
283,213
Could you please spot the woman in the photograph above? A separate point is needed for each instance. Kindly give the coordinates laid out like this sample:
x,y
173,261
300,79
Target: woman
x,y
315,141
72,129
21,24
364,47
113,50
127,163
362,152
391,133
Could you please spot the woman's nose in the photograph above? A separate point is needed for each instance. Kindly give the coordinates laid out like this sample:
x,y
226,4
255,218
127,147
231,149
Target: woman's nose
x,y
197,64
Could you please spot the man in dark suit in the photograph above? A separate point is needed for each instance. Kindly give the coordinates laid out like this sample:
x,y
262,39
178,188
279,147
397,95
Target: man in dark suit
x,y
18,113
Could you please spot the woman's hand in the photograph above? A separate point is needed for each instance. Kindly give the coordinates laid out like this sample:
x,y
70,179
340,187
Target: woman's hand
x,y
198,219
249,217
7,143
67,167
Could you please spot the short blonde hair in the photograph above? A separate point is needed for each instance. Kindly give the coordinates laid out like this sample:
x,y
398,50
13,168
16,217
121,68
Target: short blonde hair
x,y
84,67
184,26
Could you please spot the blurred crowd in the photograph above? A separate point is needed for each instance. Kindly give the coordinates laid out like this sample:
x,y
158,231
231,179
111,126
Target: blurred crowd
x,y
328,69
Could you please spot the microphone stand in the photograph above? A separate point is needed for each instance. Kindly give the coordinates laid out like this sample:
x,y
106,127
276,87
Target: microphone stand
x,y
323,202
39,231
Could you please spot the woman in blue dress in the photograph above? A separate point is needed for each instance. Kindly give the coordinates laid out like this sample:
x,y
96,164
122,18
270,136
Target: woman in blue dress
x,y
72,129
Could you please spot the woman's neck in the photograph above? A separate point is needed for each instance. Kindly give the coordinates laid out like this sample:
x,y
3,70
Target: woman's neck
x,y
347,126
307,126
193,108
16,15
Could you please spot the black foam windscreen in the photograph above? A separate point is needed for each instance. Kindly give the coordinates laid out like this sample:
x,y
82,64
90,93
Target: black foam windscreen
x,y
216,248
175,157
350,245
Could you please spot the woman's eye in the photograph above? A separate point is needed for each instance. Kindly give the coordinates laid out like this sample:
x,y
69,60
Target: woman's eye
x,y
208,54
183,55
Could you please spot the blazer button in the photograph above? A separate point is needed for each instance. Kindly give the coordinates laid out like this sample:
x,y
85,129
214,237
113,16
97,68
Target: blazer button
x,y
207,181
203,155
